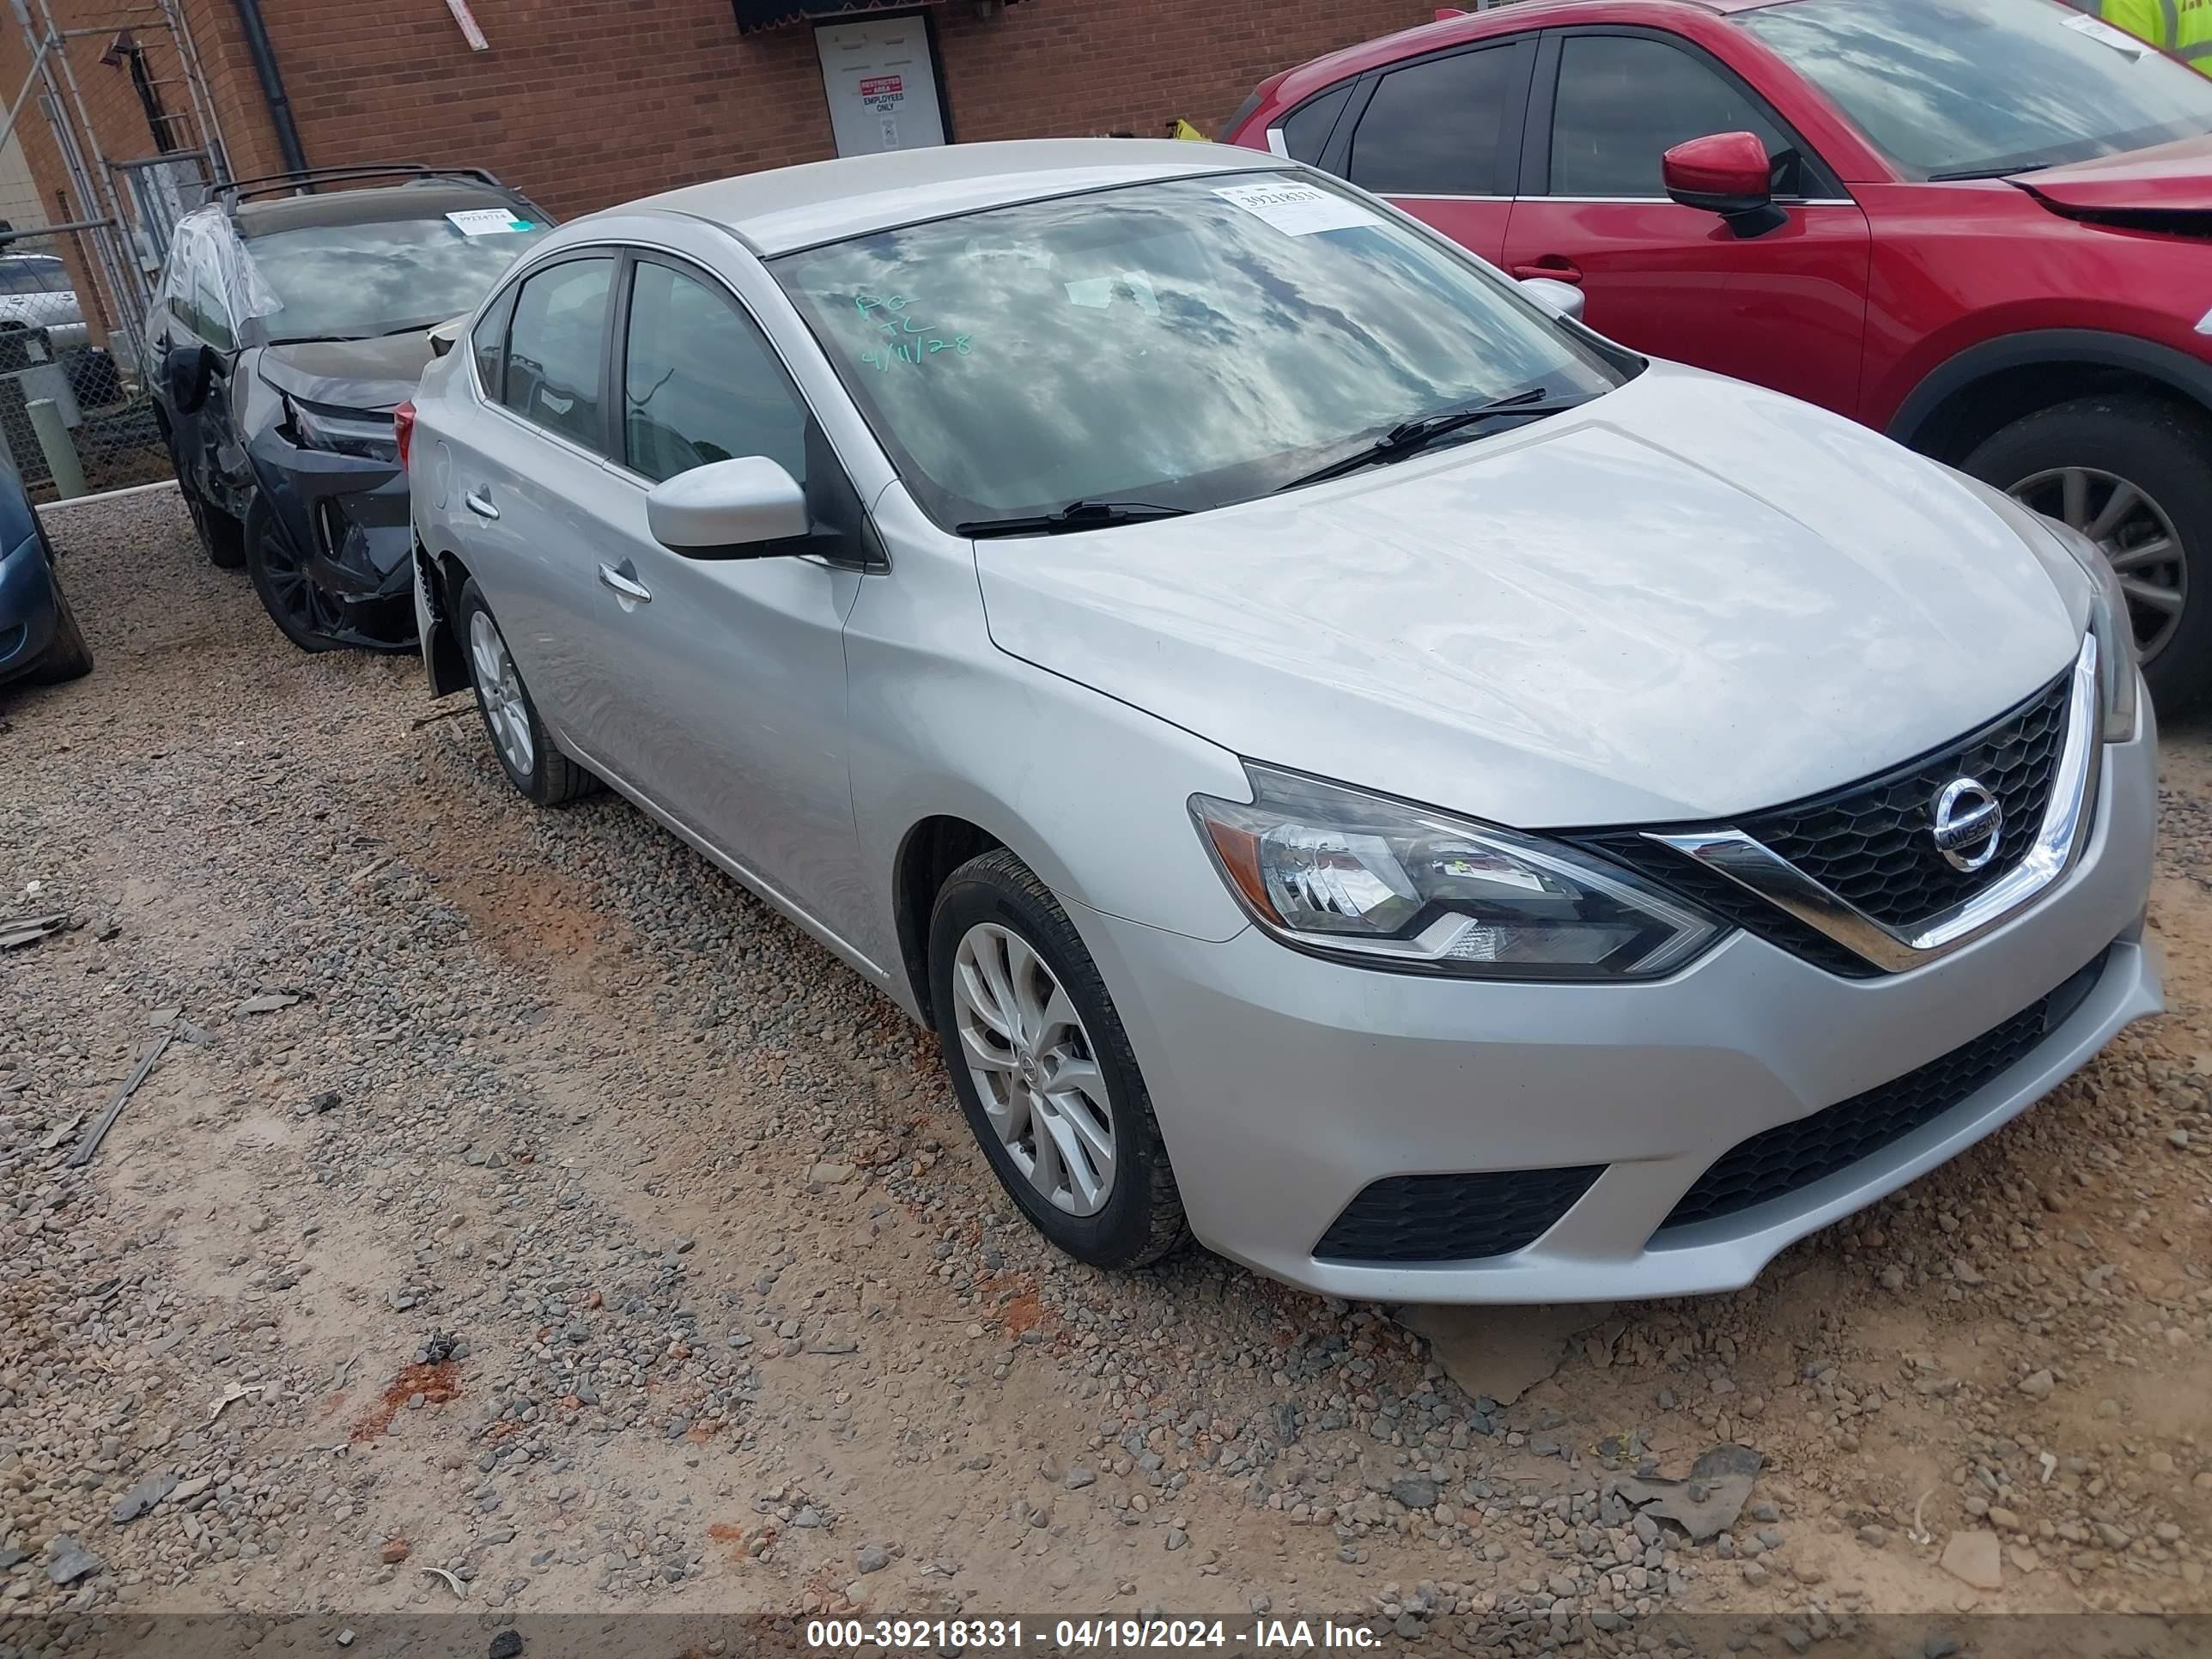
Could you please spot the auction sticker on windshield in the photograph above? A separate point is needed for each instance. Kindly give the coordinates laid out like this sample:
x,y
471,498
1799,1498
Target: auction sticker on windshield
x,y
2099,30
488,221
1297,209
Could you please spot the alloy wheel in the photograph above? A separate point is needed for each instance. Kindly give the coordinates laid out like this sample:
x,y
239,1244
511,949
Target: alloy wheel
x,y
501,688
2135,535
1034,1068
296,594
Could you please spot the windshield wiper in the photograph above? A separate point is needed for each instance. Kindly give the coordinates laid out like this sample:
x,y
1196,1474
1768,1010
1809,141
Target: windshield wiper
x,y
356,339
1412,437
1076,515
1965,173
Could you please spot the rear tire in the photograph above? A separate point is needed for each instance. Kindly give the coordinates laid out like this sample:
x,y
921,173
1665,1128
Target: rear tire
x,y
2161,451
67,658
538,771
1048,1078
220,537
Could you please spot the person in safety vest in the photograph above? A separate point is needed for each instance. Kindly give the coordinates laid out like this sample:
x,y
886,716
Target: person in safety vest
x,y
2182,28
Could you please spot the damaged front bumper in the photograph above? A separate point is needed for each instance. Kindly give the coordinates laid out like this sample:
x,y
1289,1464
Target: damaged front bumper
x,y
344,519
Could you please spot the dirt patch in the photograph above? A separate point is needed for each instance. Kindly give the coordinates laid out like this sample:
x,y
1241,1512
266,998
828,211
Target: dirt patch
x,y
437,1384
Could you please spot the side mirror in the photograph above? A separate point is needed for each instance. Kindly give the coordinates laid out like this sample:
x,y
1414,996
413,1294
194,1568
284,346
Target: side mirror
x,y
1560,299
446,335
185,372
1728,174
735,509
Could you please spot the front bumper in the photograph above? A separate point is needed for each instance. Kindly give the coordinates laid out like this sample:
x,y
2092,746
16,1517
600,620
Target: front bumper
x,y
1285,1085
346,517
27,615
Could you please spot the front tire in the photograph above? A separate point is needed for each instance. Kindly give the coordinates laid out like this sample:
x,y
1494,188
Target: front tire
x,y
2135,474
296,602
1045,1074
538,771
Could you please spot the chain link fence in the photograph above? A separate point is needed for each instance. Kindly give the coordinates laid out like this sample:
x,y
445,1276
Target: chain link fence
x,y
109,141
73,416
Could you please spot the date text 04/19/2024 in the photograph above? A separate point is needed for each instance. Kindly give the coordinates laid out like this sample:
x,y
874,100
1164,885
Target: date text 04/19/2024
x,y
1074,1635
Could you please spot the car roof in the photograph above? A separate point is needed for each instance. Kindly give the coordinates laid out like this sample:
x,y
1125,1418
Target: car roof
x,y
425,198
816,202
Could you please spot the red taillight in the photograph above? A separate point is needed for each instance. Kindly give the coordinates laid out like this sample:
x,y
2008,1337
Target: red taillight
x,y
403,428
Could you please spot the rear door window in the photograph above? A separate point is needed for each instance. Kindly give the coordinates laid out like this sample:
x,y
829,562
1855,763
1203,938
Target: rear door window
x,y
1437,127
554,348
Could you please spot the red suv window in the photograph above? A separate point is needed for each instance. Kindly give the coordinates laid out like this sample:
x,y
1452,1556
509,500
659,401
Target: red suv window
x,y
1437,127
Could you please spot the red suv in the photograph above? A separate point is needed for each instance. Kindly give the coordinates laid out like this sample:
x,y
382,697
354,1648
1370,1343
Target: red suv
x,y
1983,227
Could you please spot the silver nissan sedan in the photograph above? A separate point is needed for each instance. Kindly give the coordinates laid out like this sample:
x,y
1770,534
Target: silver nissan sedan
x,y
1353,765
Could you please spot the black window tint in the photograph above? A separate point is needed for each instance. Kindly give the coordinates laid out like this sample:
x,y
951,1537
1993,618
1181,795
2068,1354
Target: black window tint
x,y
1433,129
702,384
553,350
1305,135
1624,102
489,341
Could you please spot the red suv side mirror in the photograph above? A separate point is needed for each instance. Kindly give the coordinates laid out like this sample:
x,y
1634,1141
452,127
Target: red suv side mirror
x,y
1726,174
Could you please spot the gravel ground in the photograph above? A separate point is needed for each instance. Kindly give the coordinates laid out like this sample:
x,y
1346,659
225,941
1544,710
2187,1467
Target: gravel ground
x,y
578,1227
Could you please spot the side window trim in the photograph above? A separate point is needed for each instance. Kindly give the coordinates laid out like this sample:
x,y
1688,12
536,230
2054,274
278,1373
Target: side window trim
x,y
1535,172
1513,118
614,368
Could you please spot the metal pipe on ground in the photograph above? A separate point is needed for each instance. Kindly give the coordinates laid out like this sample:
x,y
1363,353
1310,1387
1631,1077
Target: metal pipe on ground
x,y
57,446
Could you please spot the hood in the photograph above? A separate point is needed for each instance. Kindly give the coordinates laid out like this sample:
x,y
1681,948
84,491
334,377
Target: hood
x,y
1689,600
367,374
2175,178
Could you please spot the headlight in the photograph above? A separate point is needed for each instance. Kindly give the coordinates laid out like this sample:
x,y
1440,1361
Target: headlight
x,y
343,433
1340,873
2113,630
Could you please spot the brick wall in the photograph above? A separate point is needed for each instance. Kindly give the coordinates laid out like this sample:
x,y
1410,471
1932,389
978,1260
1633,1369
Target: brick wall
x,y
584,103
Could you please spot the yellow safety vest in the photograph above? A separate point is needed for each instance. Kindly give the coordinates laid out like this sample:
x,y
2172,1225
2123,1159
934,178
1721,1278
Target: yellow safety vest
x,y
2182,28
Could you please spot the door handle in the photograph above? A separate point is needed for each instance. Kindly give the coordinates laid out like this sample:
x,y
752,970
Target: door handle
x,y
627,586
480,505
1552,265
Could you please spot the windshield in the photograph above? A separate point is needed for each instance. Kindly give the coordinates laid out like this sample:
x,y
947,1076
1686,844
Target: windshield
x,y
356,281
1183,344
1951,88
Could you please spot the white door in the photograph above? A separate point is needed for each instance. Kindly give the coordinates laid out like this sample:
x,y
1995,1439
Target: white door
x,y
882,85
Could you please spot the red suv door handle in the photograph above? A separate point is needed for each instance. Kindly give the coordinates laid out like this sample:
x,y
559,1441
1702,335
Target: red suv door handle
x,y
1552,265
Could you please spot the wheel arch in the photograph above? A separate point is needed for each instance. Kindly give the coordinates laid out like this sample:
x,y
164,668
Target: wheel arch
x,y
1986,387
927,856
443,575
